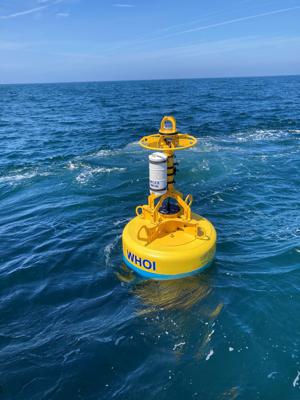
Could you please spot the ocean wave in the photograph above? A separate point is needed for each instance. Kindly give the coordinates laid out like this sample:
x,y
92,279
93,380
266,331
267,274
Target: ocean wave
x,y
261,135
109,248
105,153
213,144
203,166
206,145
132,146
71,165
86,175
21,175
123,221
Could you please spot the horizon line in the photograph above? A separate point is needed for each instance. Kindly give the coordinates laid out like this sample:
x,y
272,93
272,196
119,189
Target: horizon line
x,y
150,79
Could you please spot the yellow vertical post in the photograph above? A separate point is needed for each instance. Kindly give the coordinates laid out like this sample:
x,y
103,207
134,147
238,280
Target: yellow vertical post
x,y
168,130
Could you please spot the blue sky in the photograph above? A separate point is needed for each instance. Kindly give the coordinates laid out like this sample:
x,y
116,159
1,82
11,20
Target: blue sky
x,y
86,40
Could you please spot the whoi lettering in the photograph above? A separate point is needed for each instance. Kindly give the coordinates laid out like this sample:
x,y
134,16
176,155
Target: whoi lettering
x,y
147,264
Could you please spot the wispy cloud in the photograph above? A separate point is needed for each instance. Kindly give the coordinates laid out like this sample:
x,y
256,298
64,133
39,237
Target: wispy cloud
x,y
25,12
199,51
9,45
235,20
44,4
62,15
139,44
227,45
124,5
196,52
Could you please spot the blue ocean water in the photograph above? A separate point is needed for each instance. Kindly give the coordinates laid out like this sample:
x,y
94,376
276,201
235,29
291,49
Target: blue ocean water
x,y
74,324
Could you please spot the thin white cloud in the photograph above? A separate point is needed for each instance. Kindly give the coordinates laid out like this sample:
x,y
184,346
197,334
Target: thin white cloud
x,y
124,5
9,45
227,45
232,21
138,44
25,12
209,48
62,15
47,3
195,51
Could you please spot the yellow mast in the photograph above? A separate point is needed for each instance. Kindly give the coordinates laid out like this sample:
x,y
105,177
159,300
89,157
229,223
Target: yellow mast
x,y
168,140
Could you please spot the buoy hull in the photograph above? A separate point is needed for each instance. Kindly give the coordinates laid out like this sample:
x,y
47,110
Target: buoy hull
x,y
173,255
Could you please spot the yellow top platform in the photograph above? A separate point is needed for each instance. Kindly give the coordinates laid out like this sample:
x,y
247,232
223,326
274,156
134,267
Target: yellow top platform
x,y
168,139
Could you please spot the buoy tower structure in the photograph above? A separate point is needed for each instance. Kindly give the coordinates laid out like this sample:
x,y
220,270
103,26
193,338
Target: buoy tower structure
x,y
166,240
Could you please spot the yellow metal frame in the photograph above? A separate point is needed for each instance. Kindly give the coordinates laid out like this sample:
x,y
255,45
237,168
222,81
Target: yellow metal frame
x,y
168,141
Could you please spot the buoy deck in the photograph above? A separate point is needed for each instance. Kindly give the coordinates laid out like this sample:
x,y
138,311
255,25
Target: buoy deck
x,y
169,255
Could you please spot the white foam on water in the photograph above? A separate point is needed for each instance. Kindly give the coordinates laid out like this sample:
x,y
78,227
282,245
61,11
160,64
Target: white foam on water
x,y
178,345
210,335
213,144
86,175
297,131
296,380
72,166
132,145
121,221
118,340
207,145
108,249
261,134
209,355
271,374
105,153
82,178
19,175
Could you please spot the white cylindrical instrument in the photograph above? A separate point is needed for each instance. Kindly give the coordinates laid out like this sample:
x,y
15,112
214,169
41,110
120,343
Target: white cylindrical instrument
x,y
158,176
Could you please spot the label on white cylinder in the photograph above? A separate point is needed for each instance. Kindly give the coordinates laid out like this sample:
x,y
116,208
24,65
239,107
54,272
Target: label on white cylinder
x,y
158,176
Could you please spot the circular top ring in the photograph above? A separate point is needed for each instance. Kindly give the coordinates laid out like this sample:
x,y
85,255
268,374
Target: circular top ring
x,y
157,141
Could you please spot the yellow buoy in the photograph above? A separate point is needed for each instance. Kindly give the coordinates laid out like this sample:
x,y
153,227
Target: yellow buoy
x,y
166,240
